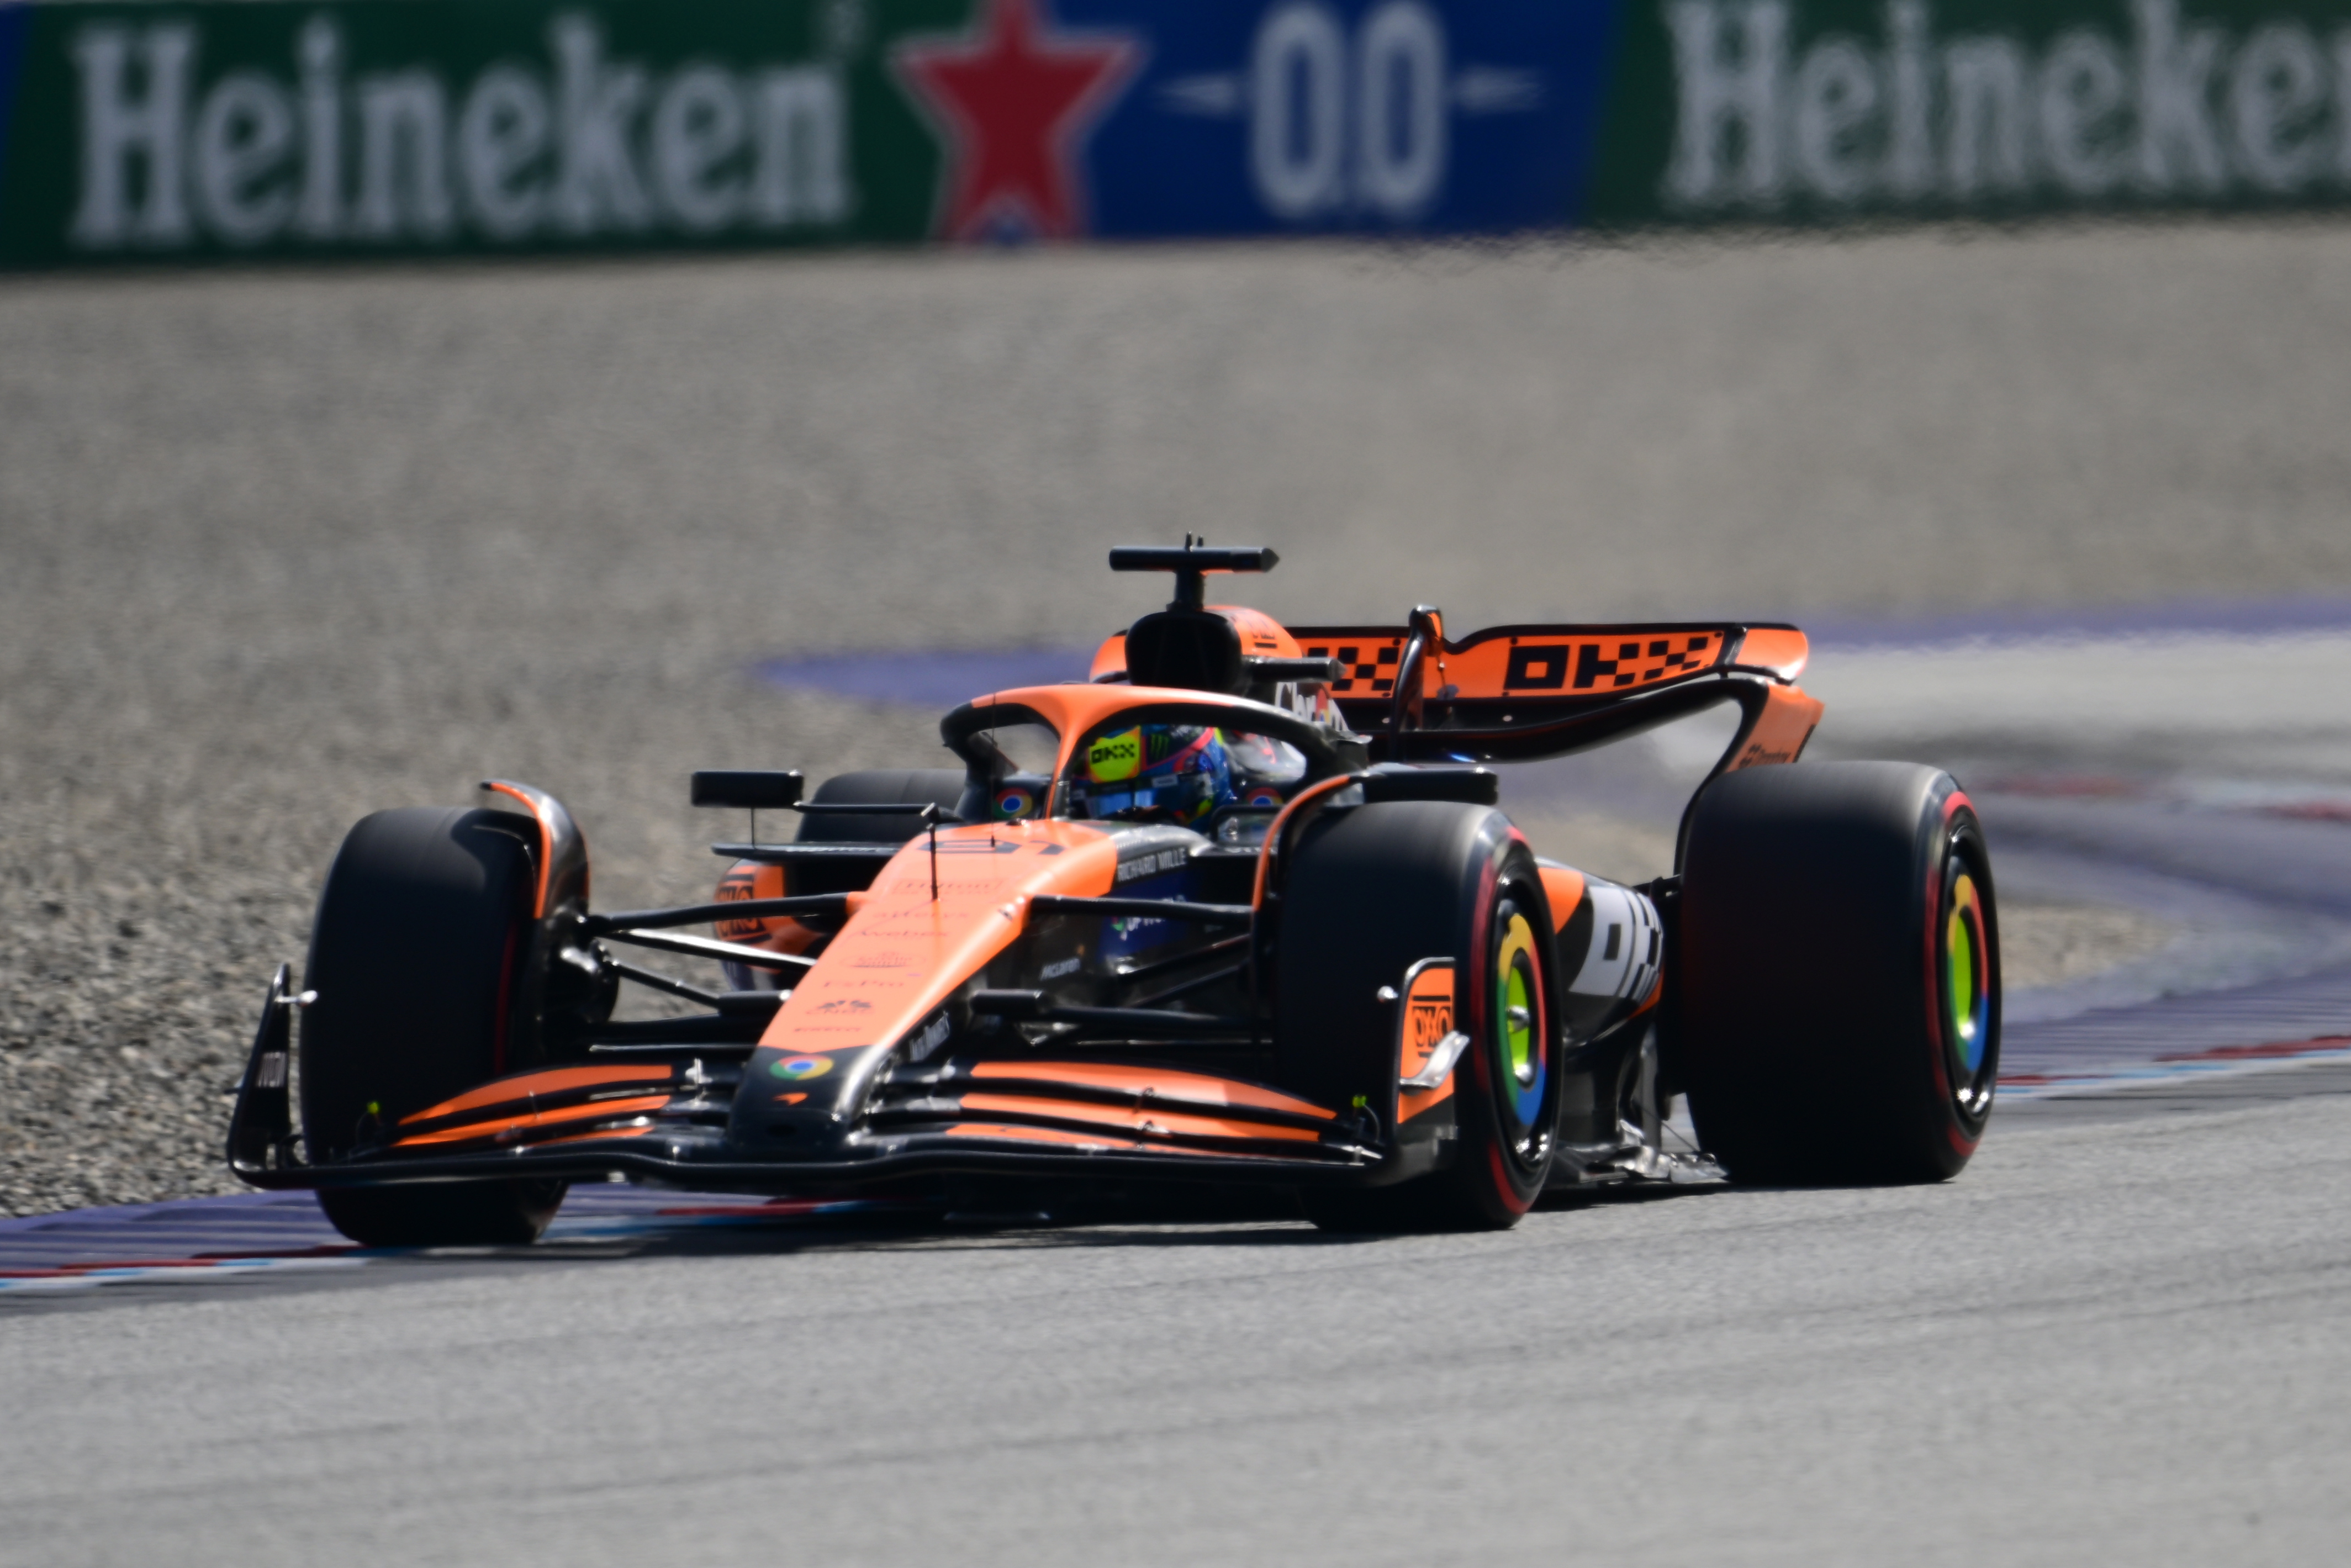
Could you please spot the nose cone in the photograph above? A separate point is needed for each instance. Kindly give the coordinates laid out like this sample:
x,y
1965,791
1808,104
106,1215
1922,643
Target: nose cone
x,y
886,980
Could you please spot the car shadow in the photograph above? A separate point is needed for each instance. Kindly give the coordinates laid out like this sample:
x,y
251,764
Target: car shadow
x,y
598,1229
1252,1219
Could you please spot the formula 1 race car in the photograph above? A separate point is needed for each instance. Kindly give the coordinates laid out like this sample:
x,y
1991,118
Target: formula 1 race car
x,y
1240,909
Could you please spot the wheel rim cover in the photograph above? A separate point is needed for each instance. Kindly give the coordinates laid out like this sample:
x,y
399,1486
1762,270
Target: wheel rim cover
x,y
1518,995
1967,979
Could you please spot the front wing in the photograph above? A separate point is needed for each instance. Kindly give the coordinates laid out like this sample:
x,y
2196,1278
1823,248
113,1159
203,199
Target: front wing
x,y
666,1122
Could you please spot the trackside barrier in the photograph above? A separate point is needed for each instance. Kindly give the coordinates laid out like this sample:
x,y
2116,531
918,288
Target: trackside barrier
x,y
386,128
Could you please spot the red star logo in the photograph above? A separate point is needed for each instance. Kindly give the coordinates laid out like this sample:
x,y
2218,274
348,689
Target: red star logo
x,y
1013,100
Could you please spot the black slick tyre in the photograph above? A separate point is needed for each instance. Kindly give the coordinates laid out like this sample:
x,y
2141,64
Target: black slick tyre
x,y
1835,1015
941,787
415,956
1371,891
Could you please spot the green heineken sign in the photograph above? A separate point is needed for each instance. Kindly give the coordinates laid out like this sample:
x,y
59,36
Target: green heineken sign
x,y
455,125
1827,109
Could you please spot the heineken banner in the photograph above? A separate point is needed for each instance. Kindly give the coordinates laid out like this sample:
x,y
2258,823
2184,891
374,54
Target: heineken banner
x,y
1821,110
134,133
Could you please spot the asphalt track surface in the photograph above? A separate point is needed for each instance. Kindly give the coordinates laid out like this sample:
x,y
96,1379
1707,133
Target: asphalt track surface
x,y
2109,1342
284,547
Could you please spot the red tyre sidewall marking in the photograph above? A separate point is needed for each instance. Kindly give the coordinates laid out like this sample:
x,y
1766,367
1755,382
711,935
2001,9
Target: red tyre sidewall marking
x,y
1481,938
1505,1189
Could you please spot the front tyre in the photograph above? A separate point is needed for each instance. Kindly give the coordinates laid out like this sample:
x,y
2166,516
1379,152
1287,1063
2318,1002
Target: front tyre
x,y
1373,890
416,957
1837,995
1510,1100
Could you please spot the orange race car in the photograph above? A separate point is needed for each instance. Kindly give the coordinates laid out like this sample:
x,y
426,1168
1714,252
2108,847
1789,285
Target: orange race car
x,y
1240,909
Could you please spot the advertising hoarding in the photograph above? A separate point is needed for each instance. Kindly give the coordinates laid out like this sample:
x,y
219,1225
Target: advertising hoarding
x,y
257,128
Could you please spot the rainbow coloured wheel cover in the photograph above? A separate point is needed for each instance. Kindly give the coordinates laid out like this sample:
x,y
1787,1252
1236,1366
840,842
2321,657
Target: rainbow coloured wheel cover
x,y
1966,981
1519,1025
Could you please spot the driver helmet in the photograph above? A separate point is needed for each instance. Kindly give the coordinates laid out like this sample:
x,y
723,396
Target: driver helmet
x,y
1178,773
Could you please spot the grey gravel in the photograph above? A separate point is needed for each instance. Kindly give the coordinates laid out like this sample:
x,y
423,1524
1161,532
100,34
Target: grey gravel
x,y
278,548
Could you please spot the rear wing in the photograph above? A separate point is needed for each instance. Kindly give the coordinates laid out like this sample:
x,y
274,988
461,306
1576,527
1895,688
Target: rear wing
x,y
1515,694
1542,664
1510,693
1518,694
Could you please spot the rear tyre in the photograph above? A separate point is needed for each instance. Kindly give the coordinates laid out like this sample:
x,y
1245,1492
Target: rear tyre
x,y
416,956
1837,996
942,786
1371,891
